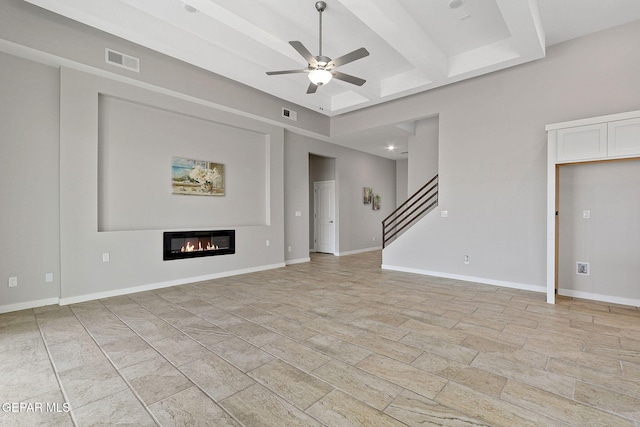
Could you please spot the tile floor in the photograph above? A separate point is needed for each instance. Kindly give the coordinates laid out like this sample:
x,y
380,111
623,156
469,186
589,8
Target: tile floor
x,y
335,342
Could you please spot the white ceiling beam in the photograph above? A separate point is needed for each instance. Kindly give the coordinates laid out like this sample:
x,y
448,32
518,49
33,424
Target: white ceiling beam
x,y
391,21
523,20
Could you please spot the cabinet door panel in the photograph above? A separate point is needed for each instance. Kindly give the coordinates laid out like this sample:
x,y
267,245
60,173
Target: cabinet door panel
x,y
582,143
624,138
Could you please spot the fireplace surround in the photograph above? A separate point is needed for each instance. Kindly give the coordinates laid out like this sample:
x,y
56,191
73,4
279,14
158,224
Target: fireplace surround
x,y
196,244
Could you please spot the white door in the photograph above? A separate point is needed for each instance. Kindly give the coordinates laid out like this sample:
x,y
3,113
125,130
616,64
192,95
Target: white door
x,y
324,195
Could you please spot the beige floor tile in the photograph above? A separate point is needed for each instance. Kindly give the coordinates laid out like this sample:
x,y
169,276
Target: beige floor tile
x,y
507,357
75,353
23,381
128,351
216,377
478,379
369,388
617,403
301,356
447,349
294,385
559,408
89,383
202,331
288,328
255,334
122,409
338,409
191,407
258,407
395,350
493,411
510,368
404,375
337,348
149,326
155,379
418,411
241,354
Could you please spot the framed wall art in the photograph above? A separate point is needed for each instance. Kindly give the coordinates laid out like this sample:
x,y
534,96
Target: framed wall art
x,y
367,195
196,177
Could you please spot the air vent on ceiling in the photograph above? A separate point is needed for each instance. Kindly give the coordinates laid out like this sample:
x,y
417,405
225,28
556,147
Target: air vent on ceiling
x,y
122,60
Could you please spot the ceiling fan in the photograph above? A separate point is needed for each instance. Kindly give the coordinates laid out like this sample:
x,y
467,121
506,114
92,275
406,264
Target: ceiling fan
x,y
321,68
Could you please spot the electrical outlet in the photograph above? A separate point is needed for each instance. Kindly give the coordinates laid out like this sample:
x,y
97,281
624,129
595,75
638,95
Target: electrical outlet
x,y
48,278
106,257
374,238
268,243
13,282
289,249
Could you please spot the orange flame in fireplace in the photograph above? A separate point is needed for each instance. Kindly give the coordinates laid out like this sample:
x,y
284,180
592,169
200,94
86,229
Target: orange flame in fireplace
x,y
190,247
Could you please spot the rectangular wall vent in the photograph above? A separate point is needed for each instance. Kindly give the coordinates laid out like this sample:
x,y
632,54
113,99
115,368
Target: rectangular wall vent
x,y
122,60
289,114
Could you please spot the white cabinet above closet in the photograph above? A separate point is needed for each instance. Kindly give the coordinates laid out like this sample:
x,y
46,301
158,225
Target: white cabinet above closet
x,y
624,138
601,138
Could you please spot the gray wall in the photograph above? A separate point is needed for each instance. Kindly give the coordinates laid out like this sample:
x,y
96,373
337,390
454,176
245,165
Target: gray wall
x,y
174,127
81,127
29,247
492,155
610,239
423,154
359,227
402,181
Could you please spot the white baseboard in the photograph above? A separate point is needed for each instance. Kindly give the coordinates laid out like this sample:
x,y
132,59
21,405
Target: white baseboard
x,y
28,304
359,251
160,285
484,281
297,261
599,297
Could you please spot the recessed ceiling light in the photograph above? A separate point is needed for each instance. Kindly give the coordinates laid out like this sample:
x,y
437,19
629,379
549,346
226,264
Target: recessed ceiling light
x,y
391,147
454,4
189,8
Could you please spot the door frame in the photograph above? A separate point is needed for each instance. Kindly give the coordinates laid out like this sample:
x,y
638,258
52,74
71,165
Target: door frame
x,y
315,217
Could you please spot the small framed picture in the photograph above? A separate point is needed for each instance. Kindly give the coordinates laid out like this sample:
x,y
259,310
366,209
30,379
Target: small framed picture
x,y
376,202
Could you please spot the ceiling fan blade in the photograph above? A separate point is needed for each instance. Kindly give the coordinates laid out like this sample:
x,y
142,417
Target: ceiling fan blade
x,y
303,51
312,88
274,73
350,57
348,78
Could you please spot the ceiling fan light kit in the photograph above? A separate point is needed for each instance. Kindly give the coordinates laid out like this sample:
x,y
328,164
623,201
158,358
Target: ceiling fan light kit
x,y
321,69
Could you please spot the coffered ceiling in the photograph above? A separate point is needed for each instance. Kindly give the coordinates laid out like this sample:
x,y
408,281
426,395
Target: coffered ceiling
x,y
414,45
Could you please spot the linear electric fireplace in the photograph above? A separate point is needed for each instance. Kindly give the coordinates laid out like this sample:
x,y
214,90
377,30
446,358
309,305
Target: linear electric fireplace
x,y
194,244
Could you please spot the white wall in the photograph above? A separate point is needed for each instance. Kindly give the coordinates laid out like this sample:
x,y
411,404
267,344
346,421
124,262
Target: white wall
x,y
610,239
423,153
29,194
493,155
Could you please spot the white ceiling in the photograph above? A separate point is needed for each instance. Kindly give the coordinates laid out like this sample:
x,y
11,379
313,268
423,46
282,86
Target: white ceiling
x,y
414,45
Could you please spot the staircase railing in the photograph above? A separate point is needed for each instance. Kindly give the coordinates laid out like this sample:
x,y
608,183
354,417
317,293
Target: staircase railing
x,y
416,206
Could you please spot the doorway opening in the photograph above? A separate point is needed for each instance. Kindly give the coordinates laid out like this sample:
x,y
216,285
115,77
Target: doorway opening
x,y
323,223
